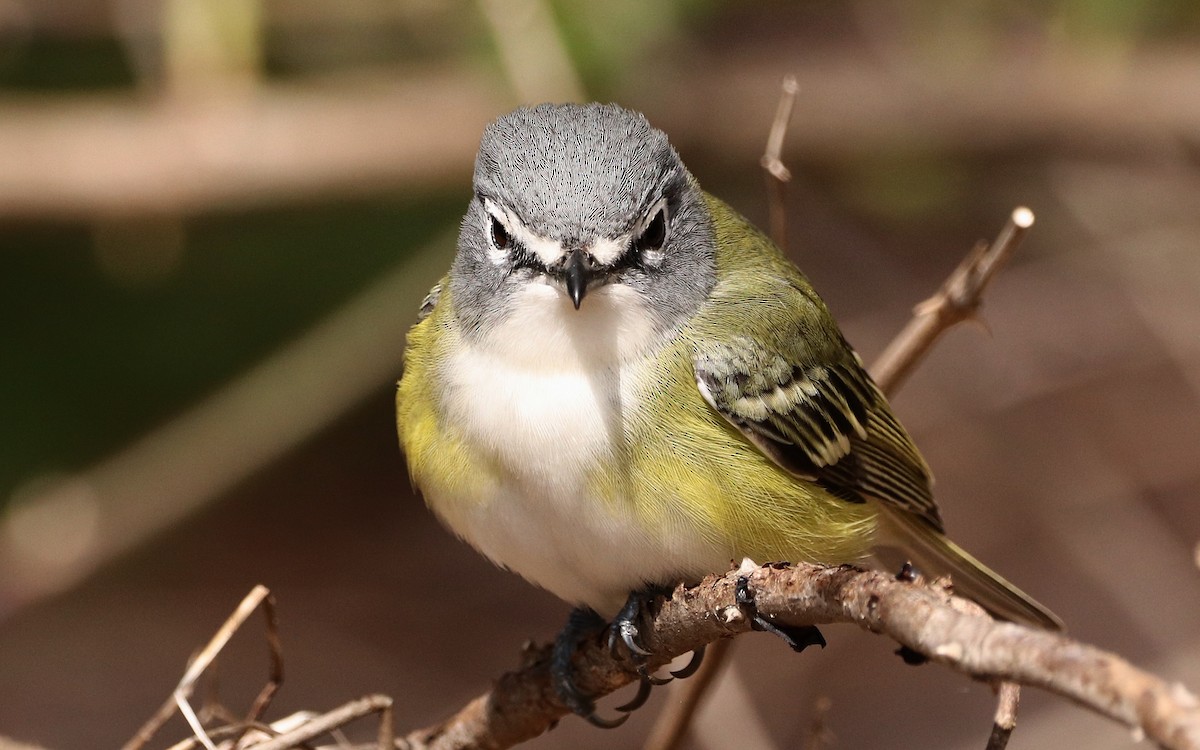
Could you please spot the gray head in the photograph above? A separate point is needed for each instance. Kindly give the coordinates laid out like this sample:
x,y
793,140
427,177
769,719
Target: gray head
x,y
589,200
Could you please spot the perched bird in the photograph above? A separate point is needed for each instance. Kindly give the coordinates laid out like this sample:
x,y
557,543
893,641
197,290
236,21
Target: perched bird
x,y
622,385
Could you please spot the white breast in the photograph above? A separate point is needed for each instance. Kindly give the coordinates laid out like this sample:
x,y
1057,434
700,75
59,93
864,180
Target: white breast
x,y
547,397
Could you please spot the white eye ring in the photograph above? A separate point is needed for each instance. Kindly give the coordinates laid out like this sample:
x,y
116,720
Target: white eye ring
x,y
498,234
497,231
652,254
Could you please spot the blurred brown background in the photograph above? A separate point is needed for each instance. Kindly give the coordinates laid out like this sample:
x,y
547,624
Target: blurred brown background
x,y
217,218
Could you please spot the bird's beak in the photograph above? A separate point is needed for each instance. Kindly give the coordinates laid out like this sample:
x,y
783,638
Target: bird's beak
x,y
575,272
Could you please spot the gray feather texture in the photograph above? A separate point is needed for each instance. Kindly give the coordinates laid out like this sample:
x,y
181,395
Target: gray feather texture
x,y
576,174
573,170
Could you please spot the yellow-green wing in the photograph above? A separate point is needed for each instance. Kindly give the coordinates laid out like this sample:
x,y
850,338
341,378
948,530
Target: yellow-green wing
x,y
771,360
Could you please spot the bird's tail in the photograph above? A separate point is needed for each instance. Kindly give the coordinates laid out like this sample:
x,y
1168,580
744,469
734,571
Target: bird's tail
x,y
904,536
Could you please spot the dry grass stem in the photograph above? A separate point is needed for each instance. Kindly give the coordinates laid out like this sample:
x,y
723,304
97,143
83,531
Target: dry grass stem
x,y
258,596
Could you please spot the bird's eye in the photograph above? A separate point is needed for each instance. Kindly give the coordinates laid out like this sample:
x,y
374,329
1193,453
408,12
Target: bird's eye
x,y
500,236
655,233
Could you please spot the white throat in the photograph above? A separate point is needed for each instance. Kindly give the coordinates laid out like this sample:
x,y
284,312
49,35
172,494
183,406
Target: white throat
x,y
544,333
548,391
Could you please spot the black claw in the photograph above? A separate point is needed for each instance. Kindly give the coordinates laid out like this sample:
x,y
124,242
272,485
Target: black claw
x,y
692,666
910,657
638,700
629,635
624,630
625,625
803,637
653,680
596,721
908,573
582,624
797,638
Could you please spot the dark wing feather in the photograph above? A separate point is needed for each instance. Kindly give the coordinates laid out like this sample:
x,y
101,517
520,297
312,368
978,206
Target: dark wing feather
x,y
819,417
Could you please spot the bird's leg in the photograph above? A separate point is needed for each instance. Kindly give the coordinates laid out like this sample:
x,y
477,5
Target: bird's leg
x,y
625,626
797,638
581,624
626,629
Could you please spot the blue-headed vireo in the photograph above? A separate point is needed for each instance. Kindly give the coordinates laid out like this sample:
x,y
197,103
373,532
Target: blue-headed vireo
x,y
622,385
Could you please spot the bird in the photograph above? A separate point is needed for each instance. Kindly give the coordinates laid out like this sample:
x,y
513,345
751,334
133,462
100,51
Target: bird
x,y
622,385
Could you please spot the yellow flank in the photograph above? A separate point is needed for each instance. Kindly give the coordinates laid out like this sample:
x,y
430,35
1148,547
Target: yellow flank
x,y
700,476
437,456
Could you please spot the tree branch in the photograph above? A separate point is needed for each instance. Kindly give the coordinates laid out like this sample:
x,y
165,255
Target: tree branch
x,y
956,301
923,617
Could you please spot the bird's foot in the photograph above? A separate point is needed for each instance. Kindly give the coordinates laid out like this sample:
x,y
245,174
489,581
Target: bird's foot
x,y
625,630
581,624
797,638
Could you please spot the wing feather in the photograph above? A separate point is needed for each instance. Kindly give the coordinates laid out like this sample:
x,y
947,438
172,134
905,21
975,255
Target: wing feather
x,y
820,418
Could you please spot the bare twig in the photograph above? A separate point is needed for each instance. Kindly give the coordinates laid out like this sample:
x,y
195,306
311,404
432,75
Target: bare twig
x,y
259,595
339,717
922,617
956,301
292,731
298,729
1007,700
777,173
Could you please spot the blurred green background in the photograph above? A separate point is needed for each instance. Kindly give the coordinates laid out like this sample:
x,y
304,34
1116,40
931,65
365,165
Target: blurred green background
x,y
217,218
